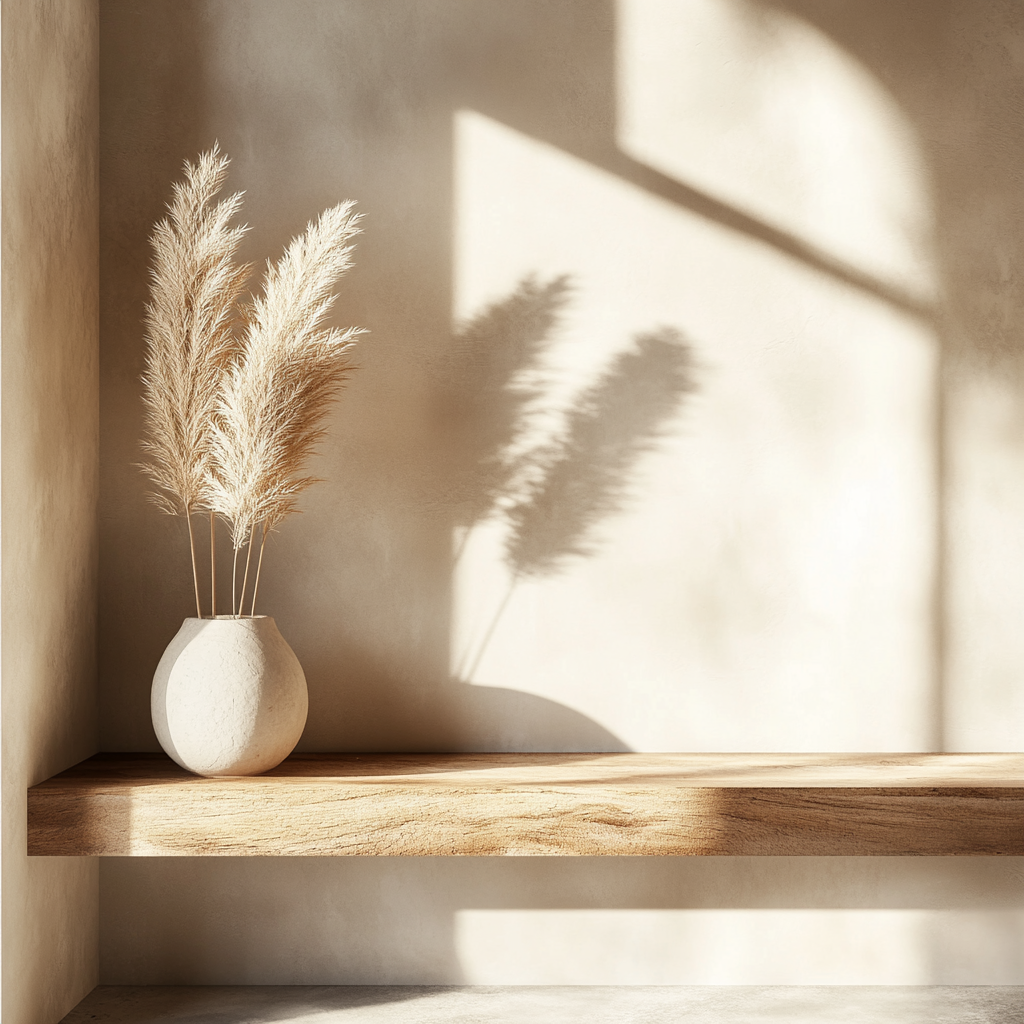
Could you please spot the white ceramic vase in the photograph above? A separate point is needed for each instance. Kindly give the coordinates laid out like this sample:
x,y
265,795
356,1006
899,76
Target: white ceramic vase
x,y
229,696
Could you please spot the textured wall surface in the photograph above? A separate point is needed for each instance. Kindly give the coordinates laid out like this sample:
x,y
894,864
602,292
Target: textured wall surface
x,y
50,482
734,286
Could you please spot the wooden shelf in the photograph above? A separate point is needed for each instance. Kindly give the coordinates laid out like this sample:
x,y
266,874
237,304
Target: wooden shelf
x,y
538,804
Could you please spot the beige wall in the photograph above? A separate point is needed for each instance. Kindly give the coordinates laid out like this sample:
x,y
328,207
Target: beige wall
x,y
811,544
50,483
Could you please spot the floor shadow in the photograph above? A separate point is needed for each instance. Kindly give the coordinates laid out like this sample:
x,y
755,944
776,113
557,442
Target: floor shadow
x,y
228,1004
600,1004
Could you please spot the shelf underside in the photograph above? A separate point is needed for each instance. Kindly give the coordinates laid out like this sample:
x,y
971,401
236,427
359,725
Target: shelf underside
x,y
538,804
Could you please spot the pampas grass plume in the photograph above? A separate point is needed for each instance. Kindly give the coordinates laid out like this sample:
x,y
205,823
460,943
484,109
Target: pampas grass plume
x,y
278,389
195,285
232,417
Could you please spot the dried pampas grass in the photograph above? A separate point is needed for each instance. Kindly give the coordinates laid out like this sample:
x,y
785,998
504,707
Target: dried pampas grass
x,y
277,392
233,416
194,287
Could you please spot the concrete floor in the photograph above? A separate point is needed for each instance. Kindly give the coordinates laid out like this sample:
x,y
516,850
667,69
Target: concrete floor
x,y
269,1004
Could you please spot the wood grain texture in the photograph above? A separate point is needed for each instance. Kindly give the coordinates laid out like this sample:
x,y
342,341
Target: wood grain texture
x,y
538,804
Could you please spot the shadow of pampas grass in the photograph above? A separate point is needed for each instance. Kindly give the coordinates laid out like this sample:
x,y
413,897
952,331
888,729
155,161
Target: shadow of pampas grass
x,y
490,379
580,477
551,496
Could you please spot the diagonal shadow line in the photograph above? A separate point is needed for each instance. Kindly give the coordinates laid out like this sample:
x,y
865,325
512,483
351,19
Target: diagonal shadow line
x,y
614,161
646,177
654,182
643,176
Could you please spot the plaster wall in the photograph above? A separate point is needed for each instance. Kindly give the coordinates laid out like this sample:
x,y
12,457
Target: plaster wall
x,y
50,385
737,283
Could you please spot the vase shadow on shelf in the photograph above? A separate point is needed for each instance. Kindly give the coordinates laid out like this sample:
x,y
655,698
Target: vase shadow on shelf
x,y
380,713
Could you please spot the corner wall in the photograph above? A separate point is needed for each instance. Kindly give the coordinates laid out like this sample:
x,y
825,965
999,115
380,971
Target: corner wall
x,y
50,433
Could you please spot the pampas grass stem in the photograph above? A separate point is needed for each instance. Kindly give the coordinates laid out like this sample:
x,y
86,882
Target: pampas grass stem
x,y
192,550
234,581
213,568
259,565
490,630
245,578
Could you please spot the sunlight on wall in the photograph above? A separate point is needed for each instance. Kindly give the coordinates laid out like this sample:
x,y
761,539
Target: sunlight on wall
x,y
766,582
765,112
986,643
739,947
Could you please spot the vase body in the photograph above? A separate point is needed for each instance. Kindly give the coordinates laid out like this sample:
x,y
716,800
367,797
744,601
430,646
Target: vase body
x,y
229,696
